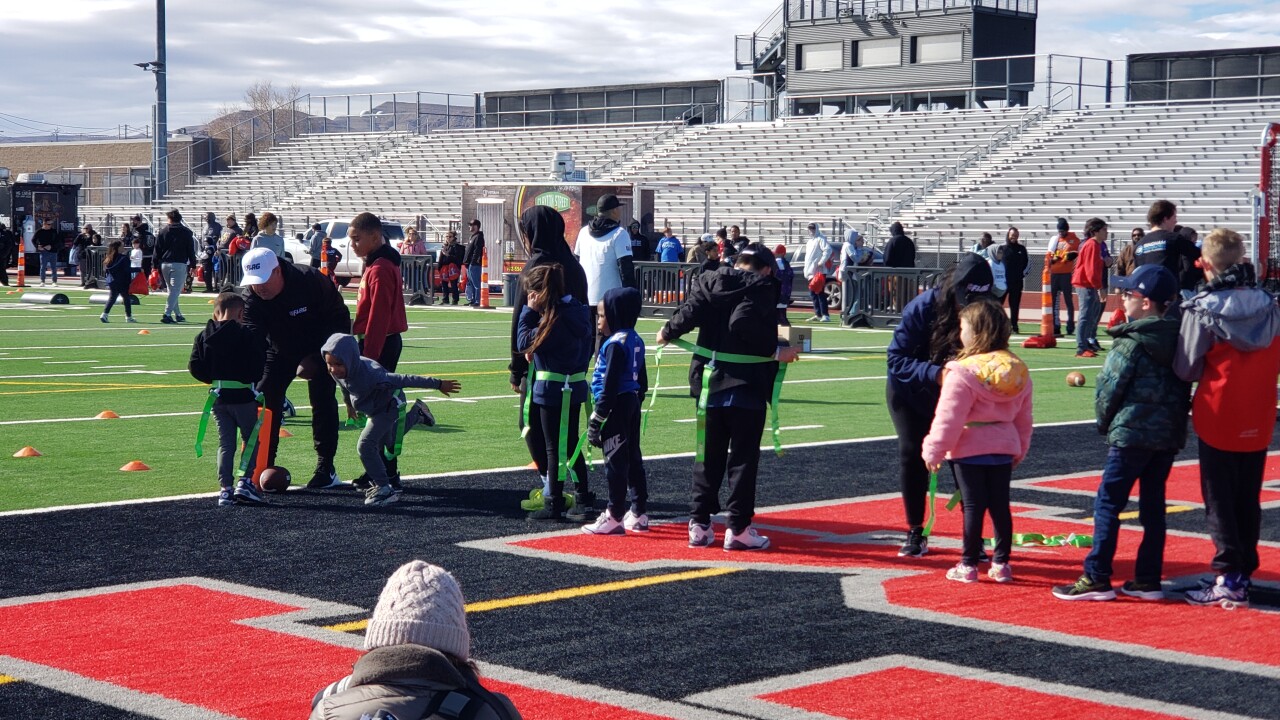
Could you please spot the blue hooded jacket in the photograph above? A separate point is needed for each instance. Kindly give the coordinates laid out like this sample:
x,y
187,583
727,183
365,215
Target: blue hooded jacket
x,y
620,366
371,388
566,350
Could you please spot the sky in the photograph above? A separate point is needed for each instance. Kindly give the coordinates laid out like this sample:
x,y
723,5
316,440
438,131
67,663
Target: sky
x,y
69,63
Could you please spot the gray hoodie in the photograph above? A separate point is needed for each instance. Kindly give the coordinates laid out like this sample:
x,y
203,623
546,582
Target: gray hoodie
x,y
371,388
1245,317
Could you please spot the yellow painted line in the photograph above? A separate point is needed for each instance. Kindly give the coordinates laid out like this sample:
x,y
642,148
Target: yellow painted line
x,y
1133,514
567,593
6,679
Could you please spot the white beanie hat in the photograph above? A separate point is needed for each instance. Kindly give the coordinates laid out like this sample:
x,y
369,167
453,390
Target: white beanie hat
x,y
421,604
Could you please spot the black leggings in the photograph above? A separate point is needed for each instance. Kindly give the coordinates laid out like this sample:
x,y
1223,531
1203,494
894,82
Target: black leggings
x,y
1014,296
985,491
115,293
623,463
543,440
913,476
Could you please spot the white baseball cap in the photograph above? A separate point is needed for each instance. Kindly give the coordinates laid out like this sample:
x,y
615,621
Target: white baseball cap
x,y
258,264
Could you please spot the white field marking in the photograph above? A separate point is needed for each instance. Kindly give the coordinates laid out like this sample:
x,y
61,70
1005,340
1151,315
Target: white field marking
x,y
102,347
48,421
801,427
71,362
45,357
118,367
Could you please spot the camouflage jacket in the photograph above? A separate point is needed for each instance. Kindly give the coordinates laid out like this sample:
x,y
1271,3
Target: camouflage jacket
x,y
1140,402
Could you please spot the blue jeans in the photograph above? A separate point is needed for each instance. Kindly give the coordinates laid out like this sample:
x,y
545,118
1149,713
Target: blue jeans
x,y
473,284
1090,313
1150,468
49,261
819,303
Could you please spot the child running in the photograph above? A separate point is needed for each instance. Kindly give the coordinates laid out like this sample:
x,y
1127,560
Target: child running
x,y
116,266
982,425
231,359
554,330
377,393
618,385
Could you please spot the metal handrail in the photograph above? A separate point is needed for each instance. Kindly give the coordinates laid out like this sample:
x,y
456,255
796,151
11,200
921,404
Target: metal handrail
x,y
1054,101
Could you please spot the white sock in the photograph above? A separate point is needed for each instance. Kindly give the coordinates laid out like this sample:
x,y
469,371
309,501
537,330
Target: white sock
x,y
546,485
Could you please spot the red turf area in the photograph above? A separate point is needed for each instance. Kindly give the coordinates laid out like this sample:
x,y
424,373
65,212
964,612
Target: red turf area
x,y
1183,486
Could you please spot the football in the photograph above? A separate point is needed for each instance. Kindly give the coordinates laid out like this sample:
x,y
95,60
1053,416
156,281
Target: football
x,y
1075,379
275,480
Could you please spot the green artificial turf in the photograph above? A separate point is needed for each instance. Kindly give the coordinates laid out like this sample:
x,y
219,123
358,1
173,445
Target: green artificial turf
x,y
56,363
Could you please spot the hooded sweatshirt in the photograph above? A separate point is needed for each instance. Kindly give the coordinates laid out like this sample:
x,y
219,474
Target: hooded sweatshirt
x,y
601,247
228,351
1230,343
985,409
620,366
566,350
371,388
380,300
545,229
1140,402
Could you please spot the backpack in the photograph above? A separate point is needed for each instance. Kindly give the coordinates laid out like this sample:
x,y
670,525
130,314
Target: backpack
x,y
456,704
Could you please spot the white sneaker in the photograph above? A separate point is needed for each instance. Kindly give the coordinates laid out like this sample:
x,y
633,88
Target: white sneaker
x,y
825,319
604,525
748,539
701,535
635,523
815,318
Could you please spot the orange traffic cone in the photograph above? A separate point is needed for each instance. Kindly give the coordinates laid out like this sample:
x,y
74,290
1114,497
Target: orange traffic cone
x,y
144,332
285,433
28,451
484,281
22,271
106,415
134,466
1046,338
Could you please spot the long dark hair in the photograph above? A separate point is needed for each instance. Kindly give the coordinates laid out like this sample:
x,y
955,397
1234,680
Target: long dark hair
x,y
547,280
944,343
114,250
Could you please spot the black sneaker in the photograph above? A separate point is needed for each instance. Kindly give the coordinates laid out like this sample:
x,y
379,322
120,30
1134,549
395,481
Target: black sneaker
x,y
362,483
179,318
166,320
396,487
325,478
1071,329
1143,590
1085,589
917,545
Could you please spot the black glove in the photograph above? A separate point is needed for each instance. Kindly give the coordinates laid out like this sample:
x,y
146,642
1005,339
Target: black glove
x,y
594,426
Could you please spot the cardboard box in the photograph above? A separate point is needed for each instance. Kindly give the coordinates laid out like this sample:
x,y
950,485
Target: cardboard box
x,y
801,337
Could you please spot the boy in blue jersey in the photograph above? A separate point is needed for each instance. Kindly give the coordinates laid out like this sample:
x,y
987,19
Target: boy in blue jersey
x,y
619,383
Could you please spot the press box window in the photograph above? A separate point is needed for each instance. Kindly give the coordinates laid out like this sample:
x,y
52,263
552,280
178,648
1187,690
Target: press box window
x,y
821,56
878,53
927,49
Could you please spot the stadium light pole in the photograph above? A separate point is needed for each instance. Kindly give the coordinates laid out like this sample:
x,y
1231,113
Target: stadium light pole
x,y
160,138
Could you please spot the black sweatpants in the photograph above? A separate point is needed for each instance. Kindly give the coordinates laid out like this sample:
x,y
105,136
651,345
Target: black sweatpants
x,y
1014,296
733,447
543,440
1231,483
913,476
392,347
322,391
985,489
623,463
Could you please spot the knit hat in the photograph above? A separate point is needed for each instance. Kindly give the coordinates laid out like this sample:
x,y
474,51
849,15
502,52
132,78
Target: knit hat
x,y
421,604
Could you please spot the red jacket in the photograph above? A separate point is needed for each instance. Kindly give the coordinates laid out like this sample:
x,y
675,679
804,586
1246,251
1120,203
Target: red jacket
x,y
380,301
1088,272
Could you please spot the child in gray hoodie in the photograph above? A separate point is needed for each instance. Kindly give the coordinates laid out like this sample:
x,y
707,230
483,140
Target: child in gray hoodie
x,y
378,394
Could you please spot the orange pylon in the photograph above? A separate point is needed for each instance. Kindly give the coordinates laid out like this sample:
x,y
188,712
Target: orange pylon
x,y
285,433
1046,338
106,415
28,451
22,271
134,466
144,332
484,280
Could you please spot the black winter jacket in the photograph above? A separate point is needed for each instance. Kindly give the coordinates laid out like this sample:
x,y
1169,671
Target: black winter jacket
x,y
228,351
299,320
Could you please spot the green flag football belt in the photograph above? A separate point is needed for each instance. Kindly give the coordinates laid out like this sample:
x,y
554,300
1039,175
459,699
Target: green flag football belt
x,y
562,450
713,357
255,440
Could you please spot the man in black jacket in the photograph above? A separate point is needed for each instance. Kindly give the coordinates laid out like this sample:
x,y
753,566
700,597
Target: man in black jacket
x,y
1015,268
1163,245
296,310
175,253
209,249
734,311
472,261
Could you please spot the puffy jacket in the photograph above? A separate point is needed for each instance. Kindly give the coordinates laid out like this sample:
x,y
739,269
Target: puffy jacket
x,y
1230,342
407,681
1140,402
985,409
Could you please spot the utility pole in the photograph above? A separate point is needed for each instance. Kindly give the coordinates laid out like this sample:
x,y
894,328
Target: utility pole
x,y
161,143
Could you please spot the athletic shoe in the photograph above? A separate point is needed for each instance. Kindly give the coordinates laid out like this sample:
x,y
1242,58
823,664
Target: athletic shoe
x,y
248,494
1228,592
635,523
1000,572
576,509
748,539
425,418
166,320
701,535
103,318
604,525
224,498
287,409
963,573
815,318
362,483
1085,589
396,486
1143,590
380,495
1086,354
1016,331
825,319
325,478
179,318
916,546
131,320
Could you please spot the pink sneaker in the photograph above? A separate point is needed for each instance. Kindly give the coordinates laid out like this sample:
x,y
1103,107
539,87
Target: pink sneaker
x,y
1000,572
963,573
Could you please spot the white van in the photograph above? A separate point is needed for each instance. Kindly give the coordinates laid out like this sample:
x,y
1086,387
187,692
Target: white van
x,y
350,266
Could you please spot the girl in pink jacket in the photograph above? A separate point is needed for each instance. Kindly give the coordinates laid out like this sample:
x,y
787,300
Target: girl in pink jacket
x,y
983,425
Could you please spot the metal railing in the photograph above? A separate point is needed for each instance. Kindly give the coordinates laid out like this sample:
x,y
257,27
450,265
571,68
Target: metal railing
x,y
809,10
877,295
644,144
749,49
663,285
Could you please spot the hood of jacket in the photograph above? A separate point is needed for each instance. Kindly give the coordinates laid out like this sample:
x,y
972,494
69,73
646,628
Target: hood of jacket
x,y
1157,335
601,226
362,376
385,252
1000,376
726,286
621,308
401,662
1246,317
545,229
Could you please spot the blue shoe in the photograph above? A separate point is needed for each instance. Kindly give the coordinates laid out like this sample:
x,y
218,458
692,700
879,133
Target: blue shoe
x,y
247,494
224,498
1228,591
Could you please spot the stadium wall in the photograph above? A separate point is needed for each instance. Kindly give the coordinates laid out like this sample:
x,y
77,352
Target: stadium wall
x,y
902,77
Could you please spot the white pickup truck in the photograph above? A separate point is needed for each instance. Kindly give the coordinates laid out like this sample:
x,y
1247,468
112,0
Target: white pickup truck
x,y
350,266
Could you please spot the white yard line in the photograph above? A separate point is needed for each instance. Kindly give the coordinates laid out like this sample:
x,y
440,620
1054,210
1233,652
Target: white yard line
x,y
71,362
46,357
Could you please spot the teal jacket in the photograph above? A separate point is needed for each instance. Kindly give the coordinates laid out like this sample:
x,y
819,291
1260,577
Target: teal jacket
x,y
1140,402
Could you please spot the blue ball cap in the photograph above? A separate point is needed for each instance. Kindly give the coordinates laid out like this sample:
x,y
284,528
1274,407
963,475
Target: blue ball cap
x,y
1152,281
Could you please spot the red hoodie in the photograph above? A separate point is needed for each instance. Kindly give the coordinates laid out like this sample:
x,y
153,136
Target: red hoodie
x,y
380,302
1088,272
